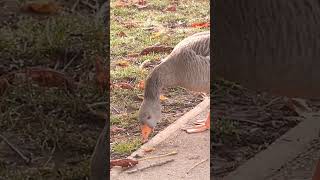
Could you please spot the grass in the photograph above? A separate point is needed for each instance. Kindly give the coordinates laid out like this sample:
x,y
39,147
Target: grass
x,y
126,147
131,31
53,127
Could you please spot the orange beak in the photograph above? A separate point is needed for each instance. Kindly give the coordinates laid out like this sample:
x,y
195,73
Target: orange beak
x,y
146,131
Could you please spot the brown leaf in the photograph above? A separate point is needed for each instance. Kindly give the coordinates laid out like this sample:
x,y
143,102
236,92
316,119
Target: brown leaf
x,y
4,84
101,75
121,3
124,85
121,34
115,129
50,78
130,24
163,98
156,49
42,8
142,2
200,25
133,55
140,85
149,149
171,8
123,162
123,63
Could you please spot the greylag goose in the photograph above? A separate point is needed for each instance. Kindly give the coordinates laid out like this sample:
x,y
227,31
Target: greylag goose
x,y
187,66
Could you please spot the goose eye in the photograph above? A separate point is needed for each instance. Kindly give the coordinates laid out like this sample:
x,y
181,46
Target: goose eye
x,y
148,117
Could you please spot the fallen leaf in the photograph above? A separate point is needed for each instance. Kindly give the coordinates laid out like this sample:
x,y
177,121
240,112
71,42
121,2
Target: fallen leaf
x,y
101,75
124,85
157,34
130,25
171,8
42,8
142,2
123,162
115,129
121,3
121,34
200,25
163,98
149,149
50,78
140,85
133,55
123,63
4,84
156,49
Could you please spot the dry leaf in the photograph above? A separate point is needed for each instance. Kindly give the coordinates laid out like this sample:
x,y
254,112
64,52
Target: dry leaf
x,y
140,85
124,85
115,129
171,8
156,49
149,149
130,25
157,34
101,75
163,98
123,63
50,78
200,25
42,8
4,84
133,55
123,162
121,3
142,2
121,34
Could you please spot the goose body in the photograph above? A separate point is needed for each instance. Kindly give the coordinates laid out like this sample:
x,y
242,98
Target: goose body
x,y
187,66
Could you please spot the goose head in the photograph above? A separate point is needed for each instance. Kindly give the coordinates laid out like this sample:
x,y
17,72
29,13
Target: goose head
x,y
149,115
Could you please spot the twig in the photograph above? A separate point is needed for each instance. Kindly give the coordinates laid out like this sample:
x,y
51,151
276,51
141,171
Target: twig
x,y
94,7
246,121
115,109
197,165
163,155
75,6
98,104
152,165
70,62
26,159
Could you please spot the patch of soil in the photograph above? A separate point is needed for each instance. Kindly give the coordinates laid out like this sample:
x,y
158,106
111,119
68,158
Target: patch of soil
x,y
245,123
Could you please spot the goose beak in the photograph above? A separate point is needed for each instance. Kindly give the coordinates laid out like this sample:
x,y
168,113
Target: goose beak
x,y
146,131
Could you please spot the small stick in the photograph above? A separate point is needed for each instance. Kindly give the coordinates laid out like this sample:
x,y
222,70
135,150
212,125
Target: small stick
x,y
27,160
163,155
70,62
152,165
75,5
197,165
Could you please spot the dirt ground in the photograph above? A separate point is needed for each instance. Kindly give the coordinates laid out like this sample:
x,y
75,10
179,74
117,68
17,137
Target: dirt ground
x,y
245,122
50,126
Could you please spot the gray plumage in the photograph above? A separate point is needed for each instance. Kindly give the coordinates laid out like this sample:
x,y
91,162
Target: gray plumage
x,y
187,66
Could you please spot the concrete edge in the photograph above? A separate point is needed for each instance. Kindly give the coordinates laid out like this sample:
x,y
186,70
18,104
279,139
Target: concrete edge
x,y
164,134
283,150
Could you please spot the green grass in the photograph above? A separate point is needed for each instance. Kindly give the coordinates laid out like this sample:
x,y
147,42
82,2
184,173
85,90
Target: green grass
x,y
126,147
42,120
